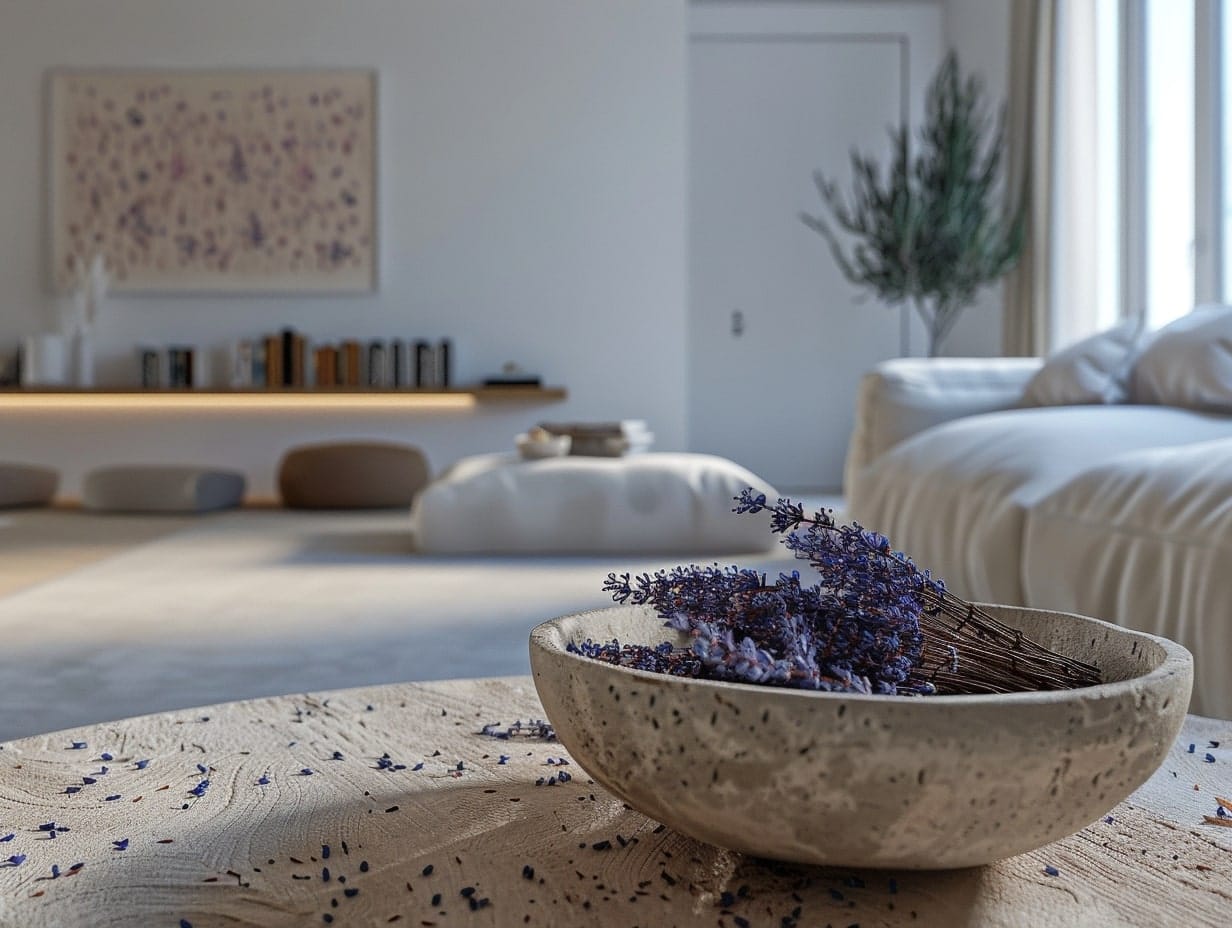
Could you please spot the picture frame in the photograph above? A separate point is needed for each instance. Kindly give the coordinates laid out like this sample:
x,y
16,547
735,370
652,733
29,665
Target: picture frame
x,y
231,181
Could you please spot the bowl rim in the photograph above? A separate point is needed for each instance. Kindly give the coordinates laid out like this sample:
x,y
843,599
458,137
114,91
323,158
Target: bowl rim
x,y
1177,660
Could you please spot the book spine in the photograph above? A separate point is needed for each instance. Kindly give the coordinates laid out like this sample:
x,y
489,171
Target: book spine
x,y
330,366
241,365
318,367
180,371
258,364
352,365
299,370
444,364
397,351
425,375
273,361
288,357
376,364
151,369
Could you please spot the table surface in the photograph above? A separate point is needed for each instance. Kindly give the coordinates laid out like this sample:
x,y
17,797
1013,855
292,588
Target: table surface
x,y
387,805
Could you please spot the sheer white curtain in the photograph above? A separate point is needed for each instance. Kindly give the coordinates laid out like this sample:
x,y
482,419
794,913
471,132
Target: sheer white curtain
x,y
1059,146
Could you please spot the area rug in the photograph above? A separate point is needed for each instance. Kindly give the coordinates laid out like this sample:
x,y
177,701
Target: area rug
x,y
38,544
262,602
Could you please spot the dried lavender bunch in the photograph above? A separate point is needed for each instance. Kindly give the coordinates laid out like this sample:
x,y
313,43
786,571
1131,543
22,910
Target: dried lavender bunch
x,y
875,623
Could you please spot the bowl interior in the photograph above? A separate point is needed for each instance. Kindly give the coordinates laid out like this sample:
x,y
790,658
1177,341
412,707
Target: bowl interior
x,y
1119,653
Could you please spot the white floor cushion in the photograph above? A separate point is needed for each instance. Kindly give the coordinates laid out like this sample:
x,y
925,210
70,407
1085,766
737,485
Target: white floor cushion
x,y
1145,540
645,503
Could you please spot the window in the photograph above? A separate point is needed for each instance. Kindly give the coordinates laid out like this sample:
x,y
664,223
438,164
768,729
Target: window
x,y
1215,77
1169,79
1173,219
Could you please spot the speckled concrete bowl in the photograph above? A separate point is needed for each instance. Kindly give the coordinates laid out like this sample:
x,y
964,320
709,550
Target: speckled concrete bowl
x,y
867,781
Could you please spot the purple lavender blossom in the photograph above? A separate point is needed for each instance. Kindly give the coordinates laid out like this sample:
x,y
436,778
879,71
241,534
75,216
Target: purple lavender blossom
x,y
874,623
856,631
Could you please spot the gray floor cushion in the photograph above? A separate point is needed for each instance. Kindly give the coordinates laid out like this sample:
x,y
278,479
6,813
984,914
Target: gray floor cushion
x,y
26,485
162,489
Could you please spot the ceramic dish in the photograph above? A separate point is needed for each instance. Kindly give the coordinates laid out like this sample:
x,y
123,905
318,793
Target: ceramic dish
x,y
535,449
867,781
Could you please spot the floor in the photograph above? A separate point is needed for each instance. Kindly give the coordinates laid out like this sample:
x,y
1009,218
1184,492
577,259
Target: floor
x,y
39,544
105,617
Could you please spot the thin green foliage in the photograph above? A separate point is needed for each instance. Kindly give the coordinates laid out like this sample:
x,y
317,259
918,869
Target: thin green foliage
x,y
936,229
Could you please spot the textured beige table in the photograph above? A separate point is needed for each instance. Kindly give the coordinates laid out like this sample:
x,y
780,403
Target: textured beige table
x,y
443,833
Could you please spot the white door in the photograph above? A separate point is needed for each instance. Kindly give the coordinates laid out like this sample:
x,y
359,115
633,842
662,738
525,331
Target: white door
x,y
778,338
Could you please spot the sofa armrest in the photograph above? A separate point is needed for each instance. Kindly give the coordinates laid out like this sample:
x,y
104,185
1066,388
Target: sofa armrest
x,y
903,396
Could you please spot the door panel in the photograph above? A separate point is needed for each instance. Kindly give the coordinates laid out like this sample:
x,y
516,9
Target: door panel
x,y
765,112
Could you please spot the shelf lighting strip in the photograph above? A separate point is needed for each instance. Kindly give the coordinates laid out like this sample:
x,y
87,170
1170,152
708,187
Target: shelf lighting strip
x,y
224,401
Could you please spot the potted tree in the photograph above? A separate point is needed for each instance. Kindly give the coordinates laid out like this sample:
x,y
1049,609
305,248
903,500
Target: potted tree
x,y
936,229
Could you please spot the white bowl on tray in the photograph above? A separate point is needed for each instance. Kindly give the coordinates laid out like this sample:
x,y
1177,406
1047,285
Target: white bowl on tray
x,y
537,448
911,782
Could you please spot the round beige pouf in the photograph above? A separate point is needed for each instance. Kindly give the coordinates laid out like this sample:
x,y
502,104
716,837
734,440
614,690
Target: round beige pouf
x,y
351,475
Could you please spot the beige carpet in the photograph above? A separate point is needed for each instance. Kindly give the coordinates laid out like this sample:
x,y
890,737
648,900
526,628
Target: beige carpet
x,y
39,544
263,602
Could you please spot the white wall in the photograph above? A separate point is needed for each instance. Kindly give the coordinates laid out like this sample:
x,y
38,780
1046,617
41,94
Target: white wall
x,y
532,201
979,31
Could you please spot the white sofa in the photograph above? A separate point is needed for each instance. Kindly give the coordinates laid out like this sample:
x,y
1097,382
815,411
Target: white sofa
x,y
1121,511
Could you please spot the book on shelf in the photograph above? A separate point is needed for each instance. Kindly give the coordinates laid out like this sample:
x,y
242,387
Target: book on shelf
x,y
273,361
257,378
299,367
349,370
425,365
398,364
517,380
242,365
150,366
287,340
181,366
325,366
444,363
375,372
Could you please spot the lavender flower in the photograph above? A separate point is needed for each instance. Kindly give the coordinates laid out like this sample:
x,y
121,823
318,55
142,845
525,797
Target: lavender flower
x,y
835,636
874,623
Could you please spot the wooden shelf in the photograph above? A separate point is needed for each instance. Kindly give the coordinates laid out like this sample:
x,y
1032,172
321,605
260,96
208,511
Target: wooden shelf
x,y
283,398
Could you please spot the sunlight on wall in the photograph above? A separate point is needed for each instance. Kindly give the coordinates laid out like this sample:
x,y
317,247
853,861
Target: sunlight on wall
x,y
1170,159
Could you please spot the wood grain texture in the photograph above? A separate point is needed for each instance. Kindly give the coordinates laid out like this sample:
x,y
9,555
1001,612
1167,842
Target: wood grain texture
x,y
248,853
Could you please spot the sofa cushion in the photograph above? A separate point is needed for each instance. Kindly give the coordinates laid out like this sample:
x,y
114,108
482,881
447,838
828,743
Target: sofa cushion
x,y
1094,370
161,489
1188,362
903,396
26,485
1145,540
955,497
644,503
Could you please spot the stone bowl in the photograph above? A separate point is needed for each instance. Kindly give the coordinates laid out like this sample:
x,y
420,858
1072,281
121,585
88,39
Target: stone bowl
x,y
866,781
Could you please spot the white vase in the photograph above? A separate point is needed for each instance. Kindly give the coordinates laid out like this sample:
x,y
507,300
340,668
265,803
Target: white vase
x,y
82,357
45,361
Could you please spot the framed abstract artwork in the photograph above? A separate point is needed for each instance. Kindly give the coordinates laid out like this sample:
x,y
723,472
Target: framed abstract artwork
x,y
206,181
